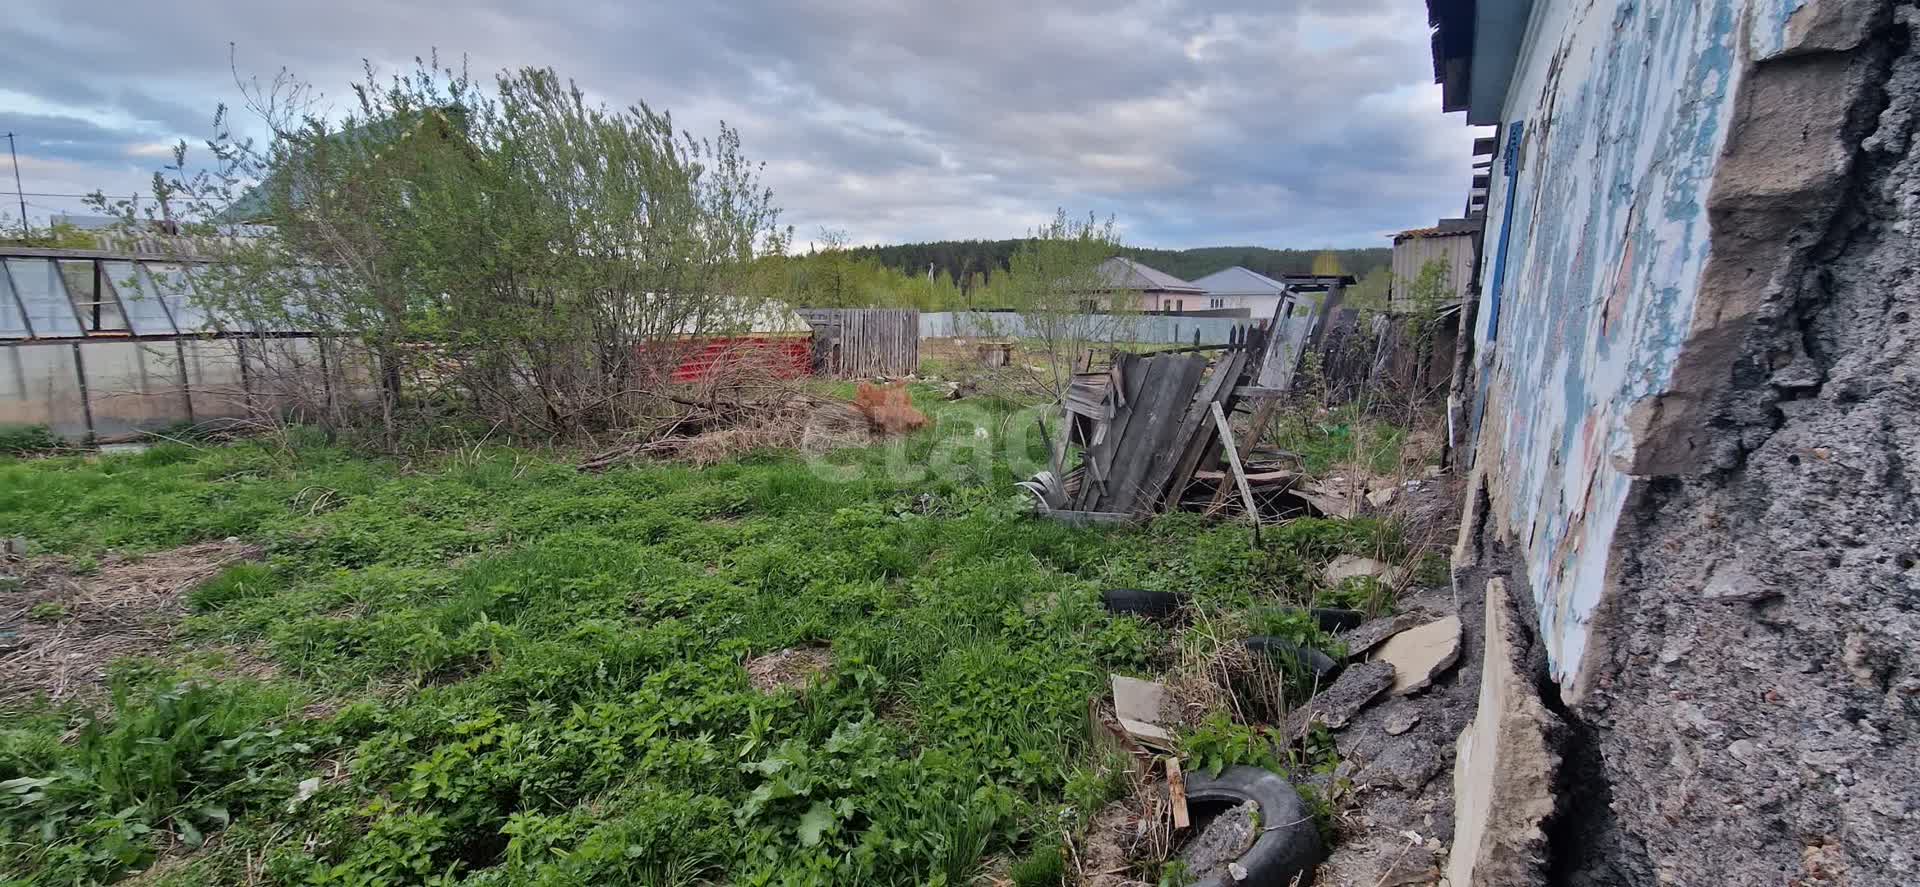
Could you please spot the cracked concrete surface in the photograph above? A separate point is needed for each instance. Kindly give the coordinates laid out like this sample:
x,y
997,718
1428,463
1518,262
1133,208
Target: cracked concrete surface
x,y
1750,709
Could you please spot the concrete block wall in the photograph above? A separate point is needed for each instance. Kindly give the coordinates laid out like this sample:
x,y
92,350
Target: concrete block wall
x,y
1697,419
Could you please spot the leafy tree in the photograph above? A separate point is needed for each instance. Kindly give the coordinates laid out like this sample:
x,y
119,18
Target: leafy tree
x,y
1067,306
515,254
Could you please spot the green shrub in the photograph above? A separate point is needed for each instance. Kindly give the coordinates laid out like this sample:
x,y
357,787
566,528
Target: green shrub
x,y
27,440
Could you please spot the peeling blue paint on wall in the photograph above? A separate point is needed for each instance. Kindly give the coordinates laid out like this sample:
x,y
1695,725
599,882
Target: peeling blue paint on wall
x,y
1627,104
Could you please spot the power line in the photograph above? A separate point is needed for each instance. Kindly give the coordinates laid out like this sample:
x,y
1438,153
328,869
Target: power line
x,y
48,194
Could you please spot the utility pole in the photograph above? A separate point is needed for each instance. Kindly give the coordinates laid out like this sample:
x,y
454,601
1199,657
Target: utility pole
x,y
17,189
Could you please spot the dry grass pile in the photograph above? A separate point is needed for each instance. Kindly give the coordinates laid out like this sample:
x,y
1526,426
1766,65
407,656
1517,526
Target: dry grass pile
x,y
707,433
60,630
788,669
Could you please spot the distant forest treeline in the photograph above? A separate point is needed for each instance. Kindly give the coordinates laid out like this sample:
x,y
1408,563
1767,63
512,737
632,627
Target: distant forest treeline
x,y
960,260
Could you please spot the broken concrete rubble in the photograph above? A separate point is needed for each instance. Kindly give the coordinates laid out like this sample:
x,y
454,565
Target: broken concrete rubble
x,y
1372,633
1506,764
1348,566
1137,704
1357,687
1419,654
1221,841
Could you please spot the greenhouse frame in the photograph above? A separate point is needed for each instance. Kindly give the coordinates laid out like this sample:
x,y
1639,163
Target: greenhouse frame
x,y
105,346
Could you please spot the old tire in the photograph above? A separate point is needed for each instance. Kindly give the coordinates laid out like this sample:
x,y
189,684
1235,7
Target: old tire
x,y
1289,843
1313,660
1140,602
1336,619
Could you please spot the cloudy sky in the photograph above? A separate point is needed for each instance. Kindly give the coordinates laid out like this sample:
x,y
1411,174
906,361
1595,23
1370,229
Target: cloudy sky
x,y
1285,123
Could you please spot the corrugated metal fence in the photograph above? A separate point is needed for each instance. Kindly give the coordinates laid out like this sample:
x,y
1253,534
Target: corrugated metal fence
x,y
865,342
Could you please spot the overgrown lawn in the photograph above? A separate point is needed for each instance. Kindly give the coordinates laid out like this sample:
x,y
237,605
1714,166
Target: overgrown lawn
x,y
489,668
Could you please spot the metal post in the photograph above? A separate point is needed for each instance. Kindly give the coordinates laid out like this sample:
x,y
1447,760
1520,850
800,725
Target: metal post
x,y
86,400
19,189
186,384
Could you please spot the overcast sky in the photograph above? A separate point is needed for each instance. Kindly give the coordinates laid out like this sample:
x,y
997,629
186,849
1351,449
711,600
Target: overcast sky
x,y
1287,123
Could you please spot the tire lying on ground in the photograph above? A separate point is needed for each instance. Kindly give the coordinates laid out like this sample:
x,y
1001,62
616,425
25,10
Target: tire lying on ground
x,y
1337,619
1140,602
1280,648
1289,842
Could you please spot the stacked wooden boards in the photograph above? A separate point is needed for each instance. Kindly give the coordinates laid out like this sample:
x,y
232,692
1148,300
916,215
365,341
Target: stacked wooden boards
x,y
1145,427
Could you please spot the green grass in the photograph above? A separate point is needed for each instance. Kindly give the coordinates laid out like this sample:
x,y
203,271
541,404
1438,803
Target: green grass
x,y
533,675
1344,436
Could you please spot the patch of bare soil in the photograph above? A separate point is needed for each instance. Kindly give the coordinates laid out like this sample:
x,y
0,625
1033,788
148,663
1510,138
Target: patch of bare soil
x,y
60,630
788,669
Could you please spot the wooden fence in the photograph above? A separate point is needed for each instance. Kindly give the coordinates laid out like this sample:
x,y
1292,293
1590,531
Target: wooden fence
x,y
864,342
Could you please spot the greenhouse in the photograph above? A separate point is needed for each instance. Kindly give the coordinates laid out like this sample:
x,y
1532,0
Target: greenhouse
x,y
101,346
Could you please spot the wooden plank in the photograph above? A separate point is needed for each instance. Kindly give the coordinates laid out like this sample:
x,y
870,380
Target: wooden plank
x,y
1170,400
1133,376
1260,416
1089,518
1124,441
1177,792
1239,476
1180,460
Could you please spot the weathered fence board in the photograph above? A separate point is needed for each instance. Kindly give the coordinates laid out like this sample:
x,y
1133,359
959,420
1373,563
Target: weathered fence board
x,y
865,342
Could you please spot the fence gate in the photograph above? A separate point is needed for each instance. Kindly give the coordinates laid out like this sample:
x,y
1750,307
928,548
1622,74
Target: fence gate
x,y
864,342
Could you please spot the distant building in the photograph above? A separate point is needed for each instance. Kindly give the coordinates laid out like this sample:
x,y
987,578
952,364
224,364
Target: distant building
x,y
1237,287
1156,290
1454,242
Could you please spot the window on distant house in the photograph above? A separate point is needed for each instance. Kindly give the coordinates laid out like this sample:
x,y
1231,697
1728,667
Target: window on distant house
x,y
1180,305
1216,303
1166,304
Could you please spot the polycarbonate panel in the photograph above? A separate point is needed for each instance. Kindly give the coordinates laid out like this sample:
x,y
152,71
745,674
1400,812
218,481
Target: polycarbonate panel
x,y
38,386
167,282
146,314
37,283
13,323
92,297
132,386
213,372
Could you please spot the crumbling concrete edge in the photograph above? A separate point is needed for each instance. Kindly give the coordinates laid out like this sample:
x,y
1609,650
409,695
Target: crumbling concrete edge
x,y
1506,761
1790,152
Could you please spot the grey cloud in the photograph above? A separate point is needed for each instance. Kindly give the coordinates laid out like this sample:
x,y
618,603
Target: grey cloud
x,y
891,120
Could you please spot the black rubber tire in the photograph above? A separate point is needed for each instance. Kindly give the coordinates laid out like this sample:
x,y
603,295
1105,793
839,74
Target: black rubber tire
x,y
1140,602
1289,842
1275,647
1334,619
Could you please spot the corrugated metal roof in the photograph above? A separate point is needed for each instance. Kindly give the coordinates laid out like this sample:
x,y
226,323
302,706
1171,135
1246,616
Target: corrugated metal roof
x,y
1123,273
1240,281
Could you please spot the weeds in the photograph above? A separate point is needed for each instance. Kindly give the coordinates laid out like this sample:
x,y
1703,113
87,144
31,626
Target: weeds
x,y
535,675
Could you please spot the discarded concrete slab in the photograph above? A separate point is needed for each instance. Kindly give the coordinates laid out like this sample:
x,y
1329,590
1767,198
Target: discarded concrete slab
x,y
1362,640
1504,767
1400,719
1332,502
1348,566
1355,689
1420,654
1137,704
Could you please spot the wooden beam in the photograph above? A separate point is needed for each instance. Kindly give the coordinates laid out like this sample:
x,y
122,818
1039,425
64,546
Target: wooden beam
x,y
1239,474
1260,416
1191,445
